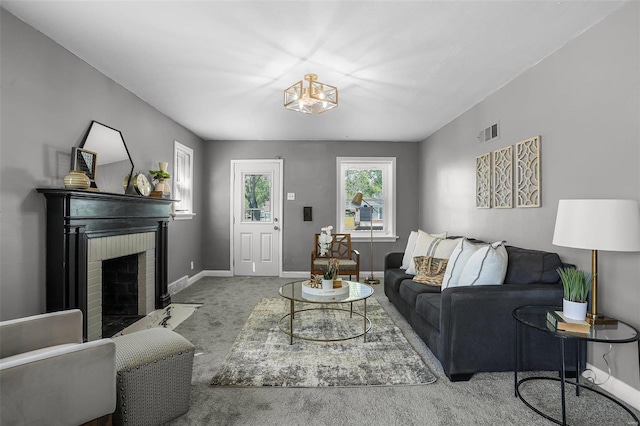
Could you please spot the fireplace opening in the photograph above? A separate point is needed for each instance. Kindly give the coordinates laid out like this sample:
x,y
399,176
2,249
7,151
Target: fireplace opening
x,y
119,294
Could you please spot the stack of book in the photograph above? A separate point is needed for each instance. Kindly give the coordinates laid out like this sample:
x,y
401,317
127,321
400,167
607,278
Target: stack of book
x,y
562,323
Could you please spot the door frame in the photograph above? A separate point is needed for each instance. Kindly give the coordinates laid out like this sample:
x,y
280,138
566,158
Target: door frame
x,y
280,203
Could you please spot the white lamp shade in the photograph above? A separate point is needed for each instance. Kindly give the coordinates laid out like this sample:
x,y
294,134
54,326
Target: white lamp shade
x,y
610,225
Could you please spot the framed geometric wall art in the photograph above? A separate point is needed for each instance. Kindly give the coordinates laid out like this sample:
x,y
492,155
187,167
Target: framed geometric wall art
x,y
503,178
528,173
483,181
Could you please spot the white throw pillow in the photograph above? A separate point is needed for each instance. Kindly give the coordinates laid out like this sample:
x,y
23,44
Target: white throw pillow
x,y
488,265
428,245
407,259
408,252
458,260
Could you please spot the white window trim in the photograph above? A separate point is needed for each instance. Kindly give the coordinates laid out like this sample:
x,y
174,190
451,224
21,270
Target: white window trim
x,y
178,148
389,235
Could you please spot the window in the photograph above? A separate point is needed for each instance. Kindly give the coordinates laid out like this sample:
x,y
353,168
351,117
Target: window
x,y
375,178
183,181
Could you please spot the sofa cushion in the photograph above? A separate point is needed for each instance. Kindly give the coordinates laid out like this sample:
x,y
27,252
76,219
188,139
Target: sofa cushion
x,y
427,245
393,277
428,307
532,266
410,289
487,266
429,270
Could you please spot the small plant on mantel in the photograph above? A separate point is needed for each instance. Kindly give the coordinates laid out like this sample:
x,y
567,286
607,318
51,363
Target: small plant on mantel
x,y
159,175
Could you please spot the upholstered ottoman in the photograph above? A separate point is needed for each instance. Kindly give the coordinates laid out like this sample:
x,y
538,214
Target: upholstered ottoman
x,y
153,376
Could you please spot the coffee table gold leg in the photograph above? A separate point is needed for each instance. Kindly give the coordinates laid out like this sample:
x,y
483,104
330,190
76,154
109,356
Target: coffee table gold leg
x,y
364,320
291,324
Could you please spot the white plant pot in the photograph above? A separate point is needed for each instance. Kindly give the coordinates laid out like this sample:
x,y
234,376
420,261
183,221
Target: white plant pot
x,y
327,284
574,310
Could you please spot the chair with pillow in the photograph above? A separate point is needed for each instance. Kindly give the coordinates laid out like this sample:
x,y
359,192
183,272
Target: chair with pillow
x,y
340,249
49,376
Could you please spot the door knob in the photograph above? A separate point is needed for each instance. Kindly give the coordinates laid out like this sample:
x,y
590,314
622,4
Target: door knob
x,y
276,227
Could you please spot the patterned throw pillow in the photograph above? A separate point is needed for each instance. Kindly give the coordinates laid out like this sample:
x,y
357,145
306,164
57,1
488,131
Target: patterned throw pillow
x,y
429,270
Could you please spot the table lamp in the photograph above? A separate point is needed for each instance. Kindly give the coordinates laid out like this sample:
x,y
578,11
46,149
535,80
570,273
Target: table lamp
x,y
357,201
610,225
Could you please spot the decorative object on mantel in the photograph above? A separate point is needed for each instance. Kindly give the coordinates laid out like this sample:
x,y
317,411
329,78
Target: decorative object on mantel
x,y
528,173
76,179
503,178
160,179
316,98
576,285
85,161
611,225
483,181
141,184
115,161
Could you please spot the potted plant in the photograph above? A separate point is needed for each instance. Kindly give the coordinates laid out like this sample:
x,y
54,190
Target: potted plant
x,y
159,179
333,267
576,284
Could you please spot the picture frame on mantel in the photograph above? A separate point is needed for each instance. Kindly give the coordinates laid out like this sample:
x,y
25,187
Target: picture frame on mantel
x,y
85,161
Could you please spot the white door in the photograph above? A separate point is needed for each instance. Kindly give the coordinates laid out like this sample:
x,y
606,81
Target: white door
x,y
257,204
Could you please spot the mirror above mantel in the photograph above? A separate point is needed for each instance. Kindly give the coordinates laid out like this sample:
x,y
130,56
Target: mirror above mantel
x,y
114,164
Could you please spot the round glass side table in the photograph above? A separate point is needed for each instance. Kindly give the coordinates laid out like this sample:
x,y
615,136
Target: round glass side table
x,y
536,317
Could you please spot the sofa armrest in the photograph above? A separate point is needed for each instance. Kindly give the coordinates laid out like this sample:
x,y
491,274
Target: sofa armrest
x,y
477,327
393,259
40,331
67,385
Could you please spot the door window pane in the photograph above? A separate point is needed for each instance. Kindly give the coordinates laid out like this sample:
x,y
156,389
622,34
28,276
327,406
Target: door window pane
x,y
257,198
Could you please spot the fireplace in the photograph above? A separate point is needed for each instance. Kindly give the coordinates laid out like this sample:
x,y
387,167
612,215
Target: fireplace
x,y
85,229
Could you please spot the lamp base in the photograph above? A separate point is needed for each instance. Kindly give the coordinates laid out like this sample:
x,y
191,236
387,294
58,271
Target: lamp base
x,y
596,319
372,280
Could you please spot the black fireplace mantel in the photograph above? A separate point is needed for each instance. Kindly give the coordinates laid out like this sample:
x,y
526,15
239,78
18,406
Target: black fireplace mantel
x,y
74,216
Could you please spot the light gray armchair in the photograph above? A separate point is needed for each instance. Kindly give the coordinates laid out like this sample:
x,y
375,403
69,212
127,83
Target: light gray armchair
x,y
49,376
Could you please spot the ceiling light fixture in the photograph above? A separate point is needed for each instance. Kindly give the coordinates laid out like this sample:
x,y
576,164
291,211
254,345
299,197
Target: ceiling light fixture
x,y
316,98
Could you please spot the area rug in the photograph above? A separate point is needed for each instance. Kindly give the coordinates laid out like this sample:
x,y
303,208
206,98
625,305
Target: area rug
x,y
169,317
262,355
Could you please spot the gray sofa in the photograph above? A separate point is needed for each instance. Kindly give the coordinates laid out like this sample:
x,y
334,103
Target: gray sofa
x,y
471,329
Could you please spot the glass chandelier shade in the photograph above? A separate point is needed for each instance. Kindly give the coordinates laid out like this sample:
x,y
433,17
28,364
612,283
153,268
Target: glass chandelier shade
x,y
316,98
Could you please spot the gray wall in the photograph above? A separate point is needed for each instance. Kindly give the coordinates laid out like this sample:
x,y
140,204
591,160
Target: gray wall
x,y
584,102
309,172
49,97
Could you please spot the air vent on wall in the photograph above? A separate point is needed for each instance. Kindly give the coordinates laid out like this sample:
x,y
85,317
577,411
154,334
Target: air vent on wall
x,y
489,134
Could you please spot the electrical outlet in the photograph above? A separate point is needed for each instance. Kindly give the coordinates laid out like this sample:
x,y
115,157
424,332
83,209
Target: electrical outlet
x,y
192,264
291,196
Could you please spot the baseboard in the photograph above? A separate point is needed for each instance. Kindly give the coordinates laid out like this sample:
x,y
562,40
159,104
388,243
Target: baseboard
x,y
216,273
617,388
196,277
179,284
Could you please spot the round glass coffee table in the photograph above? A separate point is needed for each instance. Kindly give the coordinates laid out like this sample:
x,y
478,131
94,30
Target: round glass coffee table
x,y
356,292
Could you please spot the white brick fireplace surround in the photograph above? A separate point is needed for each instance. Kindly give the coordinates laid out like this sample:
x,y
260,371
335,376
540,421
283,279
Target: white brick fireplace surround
x,y
105,248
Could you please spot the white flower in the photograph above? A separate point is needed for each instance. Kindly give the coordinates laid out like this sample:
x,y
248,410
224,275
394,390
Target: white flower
x,y
324,239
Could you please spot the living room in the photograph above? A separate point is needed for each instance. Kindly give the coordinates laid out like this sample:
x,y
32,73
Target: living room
x,y
582,99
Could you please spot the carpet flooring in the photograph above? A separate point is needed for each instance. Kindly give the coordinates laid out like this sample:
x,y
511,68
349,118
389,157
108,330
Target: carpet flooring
x,y
487,399
263,356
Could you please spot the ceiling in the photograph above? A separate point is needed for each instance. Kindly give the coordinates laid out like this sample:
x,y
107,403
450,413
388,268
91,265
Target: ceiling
x,y
404,69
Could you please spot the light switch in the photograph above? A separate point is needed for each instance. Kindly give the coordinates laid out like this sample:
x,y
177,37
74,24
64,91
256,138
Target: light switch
x,y
291,196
